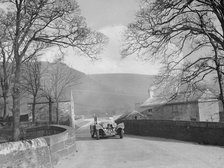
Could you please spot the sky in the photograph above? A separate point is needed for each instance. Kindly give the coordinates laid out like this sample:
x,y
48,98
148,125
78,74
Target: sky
x,y
111,18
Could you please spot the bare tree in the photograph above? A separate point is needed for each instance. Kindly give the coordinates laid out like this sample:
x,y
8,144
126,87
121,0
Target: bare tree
x,y
31,81
5,79
6,66
56,81
41,24
194,27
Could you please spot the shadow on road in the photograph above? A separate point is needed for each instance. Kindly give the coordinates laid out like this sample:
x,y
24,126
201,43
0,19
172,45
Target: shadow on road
x,y
87,138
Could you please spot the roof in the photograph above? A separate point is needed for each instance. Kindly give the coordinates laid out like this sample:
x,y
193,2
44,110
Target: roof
x,y
153,101
123,116
134,113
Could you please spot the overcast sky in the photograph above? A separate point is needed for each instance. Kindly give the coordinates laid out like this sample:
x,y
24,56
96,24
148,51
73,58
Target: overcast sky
x,y
110,17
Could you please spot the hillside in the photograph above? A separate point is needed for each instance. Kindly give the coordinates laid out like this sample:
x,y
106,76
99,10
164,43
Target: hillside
x,y
129,84
111,93
106,94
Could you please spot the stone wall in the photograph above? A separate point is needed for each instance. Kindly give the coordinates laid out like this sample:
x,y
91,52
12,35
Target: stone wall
x,y
25,154
201,132
43,152
209,110
62,144
175,111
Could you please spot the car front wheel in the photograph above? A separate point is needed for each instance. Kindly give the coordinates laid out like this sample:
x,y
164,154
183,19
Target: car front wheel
x,y
97,134
121,134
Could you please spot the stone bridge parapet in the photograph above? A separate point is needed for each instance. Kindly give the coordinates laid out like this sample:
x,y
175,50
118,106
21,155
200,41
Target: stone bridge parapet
x,y
43,148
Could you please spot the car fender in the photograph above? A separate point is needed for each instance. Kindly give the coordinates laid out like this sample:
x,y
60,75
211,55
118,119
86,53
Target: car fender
x,y
120,126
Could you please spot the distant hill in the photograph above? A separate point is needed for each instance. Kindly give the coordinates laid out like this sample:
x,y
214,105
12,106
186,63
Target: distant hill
x,y
128,84
110,93
106,94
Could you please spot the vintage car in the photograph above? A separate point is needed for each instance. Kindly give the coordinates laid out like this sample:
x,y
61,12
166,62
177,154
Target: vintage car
x,y
106,128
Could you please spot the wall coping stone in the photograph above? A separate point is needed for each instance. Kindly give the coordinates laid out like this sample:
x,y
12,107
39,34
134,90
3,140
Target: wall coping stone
x,y
10,147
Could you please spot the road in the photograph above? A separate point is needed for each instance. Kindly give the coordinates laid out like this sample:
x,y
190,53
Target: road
x,y
141,152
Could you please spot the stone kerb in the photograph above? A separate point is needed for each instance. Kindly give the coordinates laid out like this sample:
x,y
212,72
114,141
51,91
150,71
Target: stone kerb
x,y
43,152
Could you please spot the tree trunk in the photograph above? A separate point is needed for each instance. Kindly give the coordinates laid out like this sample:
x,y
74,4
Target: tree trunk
x,y
57,112
4,107
219,75
50,110
16,103
5,87
221,93
33,109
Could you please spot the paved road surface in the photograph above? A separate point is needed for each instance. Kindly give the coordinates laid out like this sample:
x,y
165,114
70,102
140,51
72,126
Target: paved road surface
x,y
141,152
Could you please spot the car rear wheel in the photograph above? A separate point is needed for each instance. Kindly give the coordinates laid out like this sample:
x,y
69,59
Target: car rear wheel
x,y
121,134
92,135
